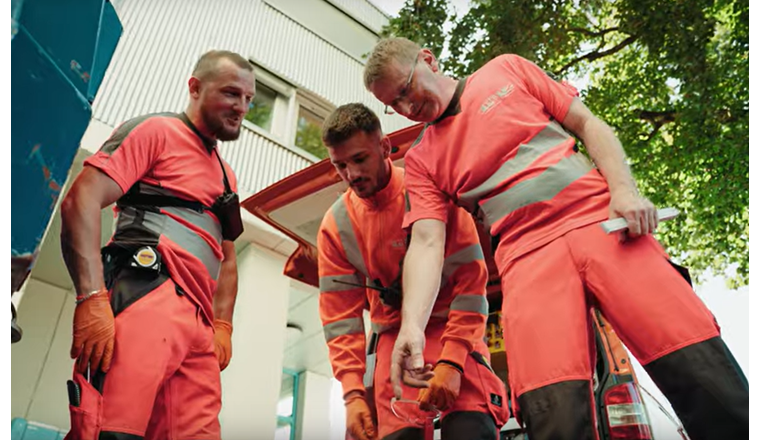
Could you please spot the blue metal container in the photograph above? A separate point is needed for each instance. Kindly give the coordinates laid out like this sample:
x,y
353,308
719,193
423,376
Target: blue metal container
x,y
59,54
21,429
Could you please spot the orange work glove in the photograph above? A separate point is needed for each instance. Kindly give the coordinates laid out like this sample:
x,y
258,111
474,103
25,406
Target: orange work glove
x,y
359,417
223,342
443,389
94,332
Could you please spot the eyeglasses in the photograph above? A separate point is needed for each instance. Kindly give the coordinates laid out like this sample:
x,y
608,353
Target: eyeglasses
x,y
410,411
405,90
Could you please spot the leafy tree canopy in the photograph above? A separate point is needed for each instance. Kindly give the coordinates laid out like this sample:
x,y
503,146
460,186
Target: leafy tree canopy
x,y
670,76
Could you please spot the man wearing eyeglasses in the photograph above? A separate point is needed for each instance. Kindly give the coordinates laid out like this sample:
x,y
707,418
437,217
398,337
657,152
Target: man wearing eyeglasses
x,y
497,144
361,247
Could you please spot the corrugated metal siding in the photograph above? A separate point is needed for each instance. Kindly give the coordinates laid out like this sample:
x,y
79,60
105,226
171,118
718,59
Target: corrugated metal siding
x,y
365,12
260,162
163,39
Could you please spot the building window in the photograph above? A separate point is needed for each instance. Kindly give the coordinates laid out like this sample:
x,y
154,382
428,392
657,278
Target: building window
x,y
288,115
262,107
309,133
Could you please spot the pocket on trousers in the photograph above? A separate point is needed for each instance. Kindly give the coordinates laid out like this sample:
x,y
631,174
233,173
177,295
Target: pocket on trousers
x,y
131,285
684,272
494,390
86,410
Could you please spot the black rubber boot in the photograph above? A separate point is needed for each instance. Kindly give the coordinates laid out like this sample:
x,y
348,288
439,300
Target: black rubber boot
x,y
706,388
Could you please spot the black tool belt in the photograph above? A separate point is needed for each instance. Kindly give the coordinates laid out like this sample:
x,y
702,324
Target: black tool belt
x,y
131,272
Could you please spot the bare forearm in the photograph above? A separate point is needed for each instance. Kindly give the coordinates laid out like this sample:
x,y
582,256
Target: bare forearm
x,y
80,243
226,292
608,154
422,279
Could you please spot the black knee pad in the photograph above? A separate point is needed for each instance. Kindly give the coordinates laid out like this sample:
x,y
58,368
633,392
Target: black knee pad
x,y
108,435
561,411
706,388
405,434
468,425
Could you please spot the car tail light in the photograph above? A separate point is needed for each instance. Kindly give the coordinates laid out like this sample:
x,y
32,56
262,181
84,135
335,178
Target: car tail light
x,y
626,416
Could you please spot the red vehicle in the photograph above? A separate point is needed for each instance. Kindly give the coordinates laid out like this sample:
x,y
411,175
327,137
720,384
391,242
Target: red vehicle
x,y
295,206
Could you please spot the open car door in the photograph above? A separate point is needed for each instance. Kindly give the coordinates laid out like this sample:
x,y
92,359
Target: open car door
x,y
295,206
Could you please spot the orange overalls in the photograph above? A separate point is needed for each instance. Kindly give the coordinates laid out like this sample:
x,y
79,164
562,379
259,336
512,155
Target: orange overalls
x,y
361,241
500,151
164,380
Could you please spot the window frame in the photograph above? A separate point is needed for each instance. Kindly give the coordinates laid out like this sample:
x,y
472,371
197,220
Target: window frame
x,y
288,102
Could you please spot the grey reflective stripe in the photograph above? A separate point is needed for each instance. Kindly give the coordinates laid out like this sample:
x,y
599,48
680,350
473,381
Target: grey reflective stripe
x,y
467,255
470,303
160,224
343,327
333,283
380,328
538,189
201,220
347,236
546,139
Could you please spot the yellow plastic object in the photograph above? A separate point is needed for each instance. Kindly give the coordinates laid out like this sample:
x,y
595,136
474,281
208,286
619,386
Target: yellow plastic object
x,y
494,334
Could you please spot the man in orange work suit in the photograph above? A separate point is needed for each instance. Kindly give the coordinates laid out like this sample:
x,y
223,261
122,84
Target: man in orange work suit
x,y
152,325
361,243
497,144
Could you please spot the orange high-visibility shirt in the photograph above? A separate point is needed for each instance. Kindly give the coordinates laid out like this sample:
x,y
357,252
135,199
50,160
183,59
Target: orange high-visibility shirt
x,y
360,241
166,155
500,152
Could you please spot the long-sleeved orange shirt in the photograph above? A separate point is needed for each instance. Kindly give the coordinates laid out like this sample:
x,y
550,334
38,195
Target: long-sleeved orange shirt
x,y
362,240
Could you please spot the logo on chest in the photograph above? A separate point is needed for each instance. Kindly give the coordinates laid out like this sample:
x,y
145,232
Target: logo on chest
x,y
496,98
398,243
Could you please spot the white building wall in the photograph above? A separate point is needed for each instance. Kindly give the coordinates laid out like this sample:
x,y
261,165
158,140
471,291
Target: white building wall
x,y
163,39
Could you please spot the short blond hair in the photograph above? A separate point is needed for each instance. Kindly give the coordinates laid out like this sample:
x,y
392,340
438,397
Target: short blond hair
x,y
385,52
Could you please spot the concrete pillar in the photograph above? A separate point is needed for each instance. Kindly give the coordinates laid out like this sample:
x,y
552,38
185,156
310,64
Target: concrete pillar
x,y
251,383
313,417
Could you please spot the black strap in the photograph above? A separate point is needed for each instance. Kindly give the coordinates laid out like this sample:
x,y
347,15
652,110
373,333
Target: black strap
x,y
134,197
227,187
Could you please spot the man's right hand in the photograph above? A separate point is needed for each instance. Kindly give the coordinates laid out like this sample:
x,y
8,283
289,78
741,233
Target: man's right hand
x,y
359,417
407,361
94,331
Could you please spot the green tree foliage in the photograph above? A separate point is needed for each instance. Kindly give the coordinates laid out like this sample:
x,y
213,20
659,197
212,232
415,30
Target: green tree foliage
x,y
670,76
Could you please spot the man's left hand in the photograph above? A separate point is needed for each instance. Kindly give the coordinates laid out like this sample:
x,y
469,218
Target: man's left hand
x,y
223,342
638,212
443,390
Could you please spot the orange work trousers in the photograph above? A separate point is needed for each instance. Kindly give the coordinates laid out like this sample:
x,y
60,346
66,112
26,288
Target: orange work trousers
x,y
548,292
164,381
481,391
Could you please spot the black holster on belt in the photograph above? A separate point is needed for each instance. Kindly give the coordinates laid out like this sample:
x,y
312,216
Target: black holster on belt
x,y
131,272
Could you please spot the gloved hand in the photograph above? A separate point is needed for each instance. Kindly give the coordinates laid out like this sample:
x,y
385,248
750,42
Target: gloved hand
x,y
94,332
359,417
443,390
223,342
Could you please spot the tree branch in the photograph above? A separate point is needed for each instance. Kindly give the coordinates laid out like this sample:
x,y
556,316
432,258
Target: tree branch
x,y
595,55
591,33
658,119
